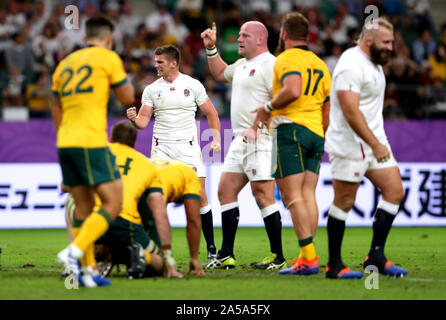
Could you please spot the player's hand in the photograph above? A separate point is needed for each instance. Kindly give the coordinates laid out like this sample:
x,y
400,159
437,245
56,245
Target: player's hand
x,y
131,113
262,117
172,272
381,152
195,268
215,146
250,134
209,36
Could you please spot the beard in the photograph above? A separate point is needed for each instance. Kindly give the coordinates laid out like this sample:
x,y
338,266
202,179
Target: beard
x,y
280,48
379,55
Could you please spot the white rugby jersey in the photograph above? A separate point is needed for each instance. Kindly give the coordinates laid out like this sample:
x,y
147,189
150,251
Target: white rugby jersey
x,y
357,73
252,82
174,106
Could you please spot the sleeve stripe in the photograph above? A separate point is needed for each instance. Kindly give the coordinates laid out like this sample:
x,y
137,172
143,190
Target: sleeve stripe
x,y
55,93
191,196
327,99
118,84
153,190
288,74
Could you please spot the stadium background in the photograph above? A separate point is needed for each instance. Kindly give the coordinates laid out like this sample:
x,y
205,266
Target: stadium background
x,y
34,37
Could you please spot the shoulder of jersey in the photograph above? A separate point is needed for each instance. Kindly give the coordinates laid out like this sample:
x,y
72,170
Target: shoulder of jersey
x,y
134,152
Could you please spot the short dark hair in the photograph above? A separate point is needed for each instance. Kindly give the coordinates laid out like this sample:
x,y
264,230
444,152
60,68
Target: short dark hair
x,y
296,26
172,52
98,27
124,132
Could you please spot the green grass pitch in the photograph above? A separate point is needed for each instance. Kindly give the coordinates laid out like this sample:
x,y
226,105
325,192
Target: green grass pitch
x,y
28,270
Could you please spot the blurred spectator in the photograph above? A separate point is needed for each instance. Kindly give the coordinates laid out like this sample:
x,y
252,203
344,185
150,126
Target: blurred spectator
x,y
19,55
38,96
333,58
410,33
314,29
113,13
128,21
13,93
46,46
41,13
420,10
231,27
402,78
155,19
16,17
191,8
343,21
177,29
438,63
423,47
6,31
352,37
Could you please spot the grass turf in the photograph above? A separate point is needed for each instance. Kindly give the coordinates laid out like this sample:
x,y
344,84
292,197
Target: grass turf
x,y
28,270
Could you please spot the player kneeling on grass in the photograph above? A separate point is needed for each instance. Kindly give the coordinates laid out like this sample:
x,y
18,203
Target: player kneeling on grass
x,y
145,205
116,248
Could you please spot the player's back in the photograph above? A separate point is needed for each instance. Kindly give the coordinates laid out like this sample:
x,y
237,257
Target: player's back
x,y
316,82
82,81
138,175
178,179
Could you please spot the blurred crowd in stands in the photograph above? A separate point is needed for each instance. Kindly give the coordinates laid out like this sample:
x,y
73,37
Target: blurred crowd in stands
x,y
34,38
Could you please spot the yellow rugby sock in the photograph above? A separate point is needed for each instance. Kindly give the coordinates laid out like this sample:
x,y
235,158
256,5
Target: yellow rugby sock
x,y
88,260
148,257
300,253
307,248
76,231
92,229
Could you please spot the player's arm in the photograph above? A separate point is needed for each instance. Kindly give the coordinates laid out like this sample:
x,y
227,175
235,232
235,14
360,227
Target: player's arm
x,y
193,233
349,102
326,115
291,91
141,119
214,123
125,94
157,205
216,64
56,112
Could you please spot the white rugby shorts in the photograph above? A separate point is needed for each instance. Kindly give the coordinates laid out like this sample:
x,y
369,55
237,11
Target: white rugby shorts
x,y
252,159
187,152
345,169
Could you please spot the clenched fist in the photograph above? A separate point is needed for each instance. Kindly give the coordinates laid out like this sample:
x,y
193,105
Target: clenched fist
x,y
131,113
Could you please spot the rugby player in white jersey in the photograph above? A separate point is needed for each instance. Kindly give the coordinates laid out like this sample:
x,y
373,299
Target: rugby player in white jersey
x,y
251,78
357,146
173,100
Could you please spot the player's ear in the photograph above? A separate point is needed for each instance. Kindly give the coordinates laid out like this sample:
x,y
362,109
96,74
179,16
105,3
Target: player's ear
x,y
109,41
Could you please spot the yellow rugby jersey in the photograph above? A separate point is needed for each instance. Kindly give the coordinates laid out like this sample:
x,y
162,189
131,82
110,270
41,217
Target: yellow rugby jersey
x,y
178,179
316,82
139,177
82,81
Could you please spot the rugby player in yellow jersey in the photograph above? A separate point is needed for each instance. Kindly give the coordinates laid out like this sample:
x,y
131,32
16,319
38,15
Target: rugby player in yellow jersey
x,y
299,113
81,84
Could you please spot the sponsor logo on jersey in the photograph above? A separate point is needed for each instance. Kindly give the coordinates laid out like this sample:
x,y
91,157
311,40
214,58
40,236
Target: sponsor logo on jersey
x,y
186,92
158,95
252,72
172,88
